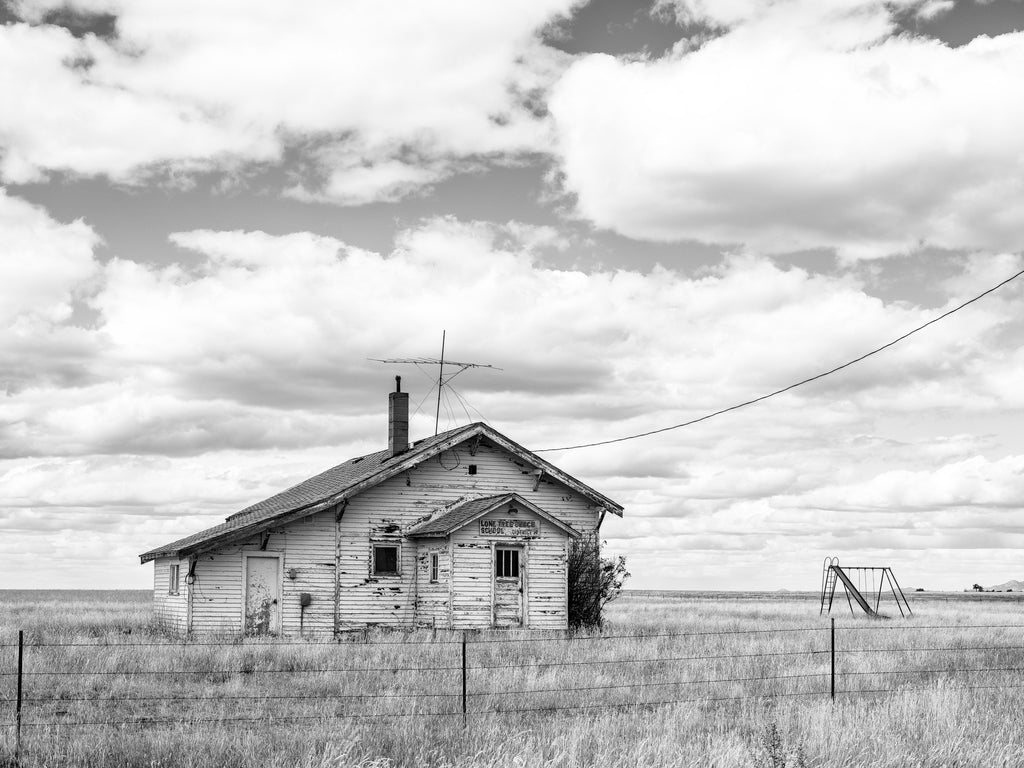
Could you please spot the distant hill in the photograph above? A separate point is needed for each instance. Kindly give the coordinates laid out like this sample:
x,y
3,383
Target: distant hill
x,y
1006,586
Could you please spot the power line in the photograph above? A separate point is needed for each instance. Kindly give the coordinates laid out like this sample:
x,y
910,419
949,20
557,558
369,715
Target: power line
x,y
791,386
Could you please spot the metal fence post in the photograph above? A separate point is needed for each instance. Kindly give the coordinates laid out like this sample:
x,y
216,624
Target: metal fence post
x,y
464,718
17,710
833,658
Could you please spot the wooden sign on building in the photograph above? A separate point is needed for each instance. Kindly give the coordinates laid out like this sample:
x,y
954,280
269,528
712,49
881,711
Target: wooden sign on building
x,y
509,527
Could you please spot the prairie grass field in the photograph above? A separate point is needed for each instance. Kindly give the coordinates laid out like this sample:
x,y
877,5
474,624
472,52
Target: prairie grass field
x,y
681,679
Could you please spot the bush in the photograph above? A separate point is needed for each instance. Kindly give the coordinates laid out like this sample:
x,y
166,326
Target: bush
x,y
594,581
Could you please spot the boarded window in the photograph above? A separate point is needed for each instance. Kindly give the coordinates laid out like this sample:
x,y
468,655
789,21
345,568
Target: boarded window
x,y
506,563
433,569
172,580
385,559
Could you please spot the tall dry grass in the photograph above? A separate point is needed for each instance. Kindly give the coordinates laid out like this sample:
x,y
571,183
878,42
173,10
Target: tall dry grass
x,y
748,673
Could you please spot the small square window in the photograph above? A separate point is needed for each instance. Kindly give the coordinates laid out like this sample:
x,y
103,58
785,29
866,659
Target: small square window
x,y
434,569
172,579
506,563
385,560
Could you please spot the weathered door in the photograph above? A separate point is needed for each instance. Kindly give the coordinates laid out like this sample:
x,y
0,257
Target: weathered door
x,y
262,592
508,586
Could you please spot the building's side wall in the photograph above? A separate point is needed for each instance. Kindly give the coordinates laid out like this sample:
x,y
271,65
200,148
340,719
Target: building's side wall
x,y
544,587
309,549
217,592
307,546
381,513
547,579
169,610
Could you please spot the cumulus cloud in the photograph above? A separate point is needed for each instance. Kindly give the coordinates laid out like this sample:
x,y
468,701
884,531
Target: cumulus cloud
x,y
376,101
47,266
68,120
267,339
727,14
801,125
197,378
972,482
44,262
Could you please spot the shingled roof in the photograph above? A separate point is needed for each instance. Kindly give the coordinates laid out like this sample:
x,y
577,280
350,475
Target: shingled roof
x,y
468,511
346,480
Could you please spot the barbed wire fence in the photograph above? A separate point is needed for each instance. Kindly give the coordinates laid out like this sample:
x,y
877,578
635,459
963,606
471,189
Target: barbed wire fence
x,y
462,677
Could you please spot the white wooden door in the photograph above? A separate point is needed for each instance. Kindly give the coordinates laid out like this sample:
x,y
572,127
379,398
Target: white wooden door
x,y
508,586
262,595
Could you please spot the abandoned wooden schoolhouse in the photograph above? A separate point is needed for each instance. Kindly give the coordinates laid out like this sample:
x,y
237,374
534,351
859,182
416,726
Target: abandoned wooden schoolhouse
x,y
465,529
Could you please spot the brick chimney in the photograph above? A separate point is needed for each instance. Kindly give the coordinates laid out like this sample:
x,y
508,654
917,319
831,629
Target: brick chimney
x,y
398,419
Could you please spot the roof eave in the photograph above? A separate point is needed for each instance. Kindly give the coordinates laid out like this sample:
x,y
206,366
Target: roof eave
x,y
237,534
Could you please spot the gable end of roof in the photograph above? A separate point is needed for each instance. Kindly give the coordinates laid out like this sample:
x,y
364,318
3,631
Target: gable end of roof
x,y
465,513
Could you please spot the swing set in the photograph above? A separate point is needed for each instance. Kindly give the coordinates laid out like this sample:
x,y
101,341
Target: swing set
x,y
858,581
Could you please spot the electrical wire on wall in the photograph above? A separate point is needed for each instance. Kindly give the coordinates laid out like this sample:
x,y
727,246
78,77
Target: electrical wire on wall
x,y
458,459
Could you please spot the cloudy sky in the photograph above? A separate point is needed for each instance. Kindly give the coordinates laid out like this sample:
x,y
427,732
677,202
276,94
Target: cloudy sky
x,y
212,216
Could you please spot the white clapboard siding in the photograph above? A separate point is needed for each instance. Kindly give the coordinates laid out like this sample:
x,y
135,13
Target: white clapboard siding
x,y
471,581
433,606
169,610
217,592
309,555
546,577
305,547
314,548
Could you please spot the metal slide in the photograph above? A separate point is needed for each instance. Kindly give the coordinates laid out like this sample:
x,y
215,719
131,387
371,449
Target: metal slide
x,y
852,591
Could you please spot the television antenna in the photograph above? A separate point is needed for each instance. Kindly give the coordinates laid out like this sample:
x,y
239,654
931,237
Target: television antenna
x,y
442,382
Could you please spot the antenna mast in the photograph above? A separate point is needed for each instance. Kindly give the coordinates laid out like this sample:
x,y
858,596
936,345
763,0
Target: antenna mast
x,y
441,380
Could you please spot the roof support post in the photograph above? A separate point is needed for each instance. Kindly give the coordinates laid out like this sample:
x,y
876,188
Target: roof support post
x,y
190,580
339,512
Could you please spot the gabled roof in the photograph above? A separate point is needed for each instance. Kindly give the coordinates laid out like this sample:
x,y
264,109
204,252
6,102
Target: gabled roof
x,y
350,478
465,513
